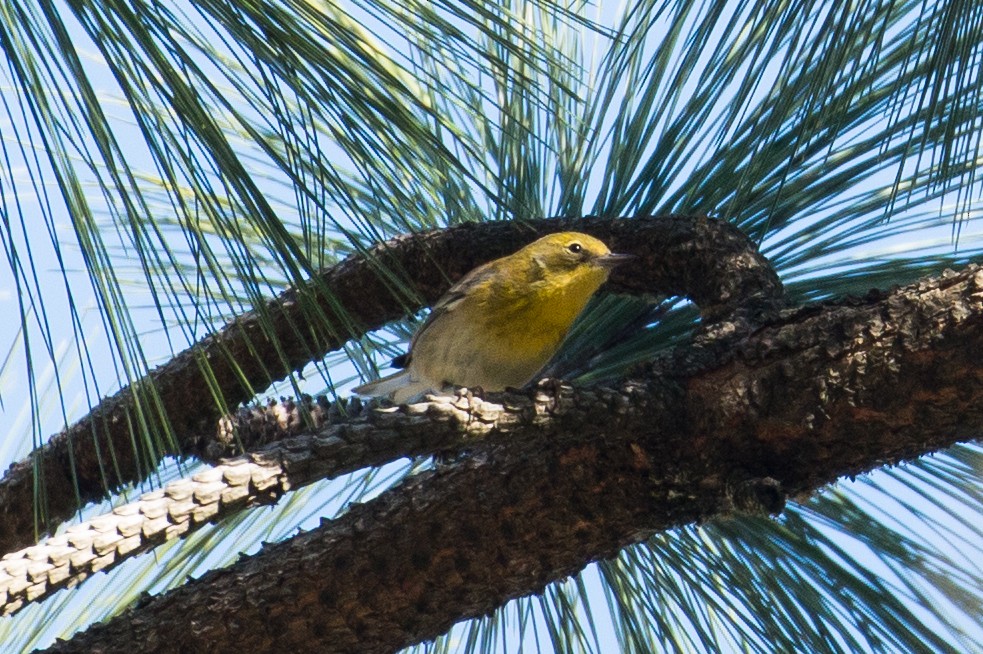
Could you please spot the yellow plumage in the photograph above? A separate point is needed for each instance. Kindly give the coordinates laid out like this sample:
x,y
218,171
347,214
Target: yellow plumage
x,y
503,321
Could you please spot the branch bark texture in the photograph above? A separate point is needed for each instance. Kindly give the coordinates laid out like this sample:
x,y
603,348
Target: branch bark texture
x,y
711,262
563,476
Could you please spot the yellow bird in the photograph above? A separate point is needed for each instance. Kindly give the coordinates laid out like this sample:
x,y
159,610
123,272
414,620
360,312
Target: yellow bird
x,y
504,320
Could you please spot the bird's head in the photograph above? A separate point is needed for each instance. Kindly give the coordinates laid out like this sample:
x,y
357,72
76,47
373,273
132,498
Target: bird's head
x,y
566,252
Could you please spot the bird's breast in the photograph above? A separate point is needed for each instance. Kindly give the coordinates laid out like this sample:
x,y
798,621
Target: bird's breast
x,y
502,338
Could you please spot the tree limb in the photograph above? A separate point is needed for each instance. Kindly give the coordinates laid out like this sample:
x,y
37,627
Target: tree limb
x,y
711,262
293,460
566,476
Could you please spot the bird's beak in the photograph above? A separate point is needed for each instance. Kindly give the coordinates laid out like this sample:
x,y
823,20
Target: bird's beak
x,y
611,260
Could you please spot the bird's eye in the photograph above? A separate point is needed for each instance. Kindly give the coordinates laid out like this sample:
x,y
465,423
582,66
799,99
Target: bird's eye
x,y
575,248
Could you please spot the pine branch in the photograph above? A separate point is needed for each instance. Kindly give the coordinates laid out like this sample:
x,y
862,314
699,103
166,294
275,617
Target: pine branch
x,y
566,476
678,255
294,459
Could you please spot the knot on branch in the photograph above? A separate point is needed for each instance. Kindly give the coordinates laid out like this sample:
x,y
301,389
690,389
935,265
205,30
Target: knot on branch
x,y
761,496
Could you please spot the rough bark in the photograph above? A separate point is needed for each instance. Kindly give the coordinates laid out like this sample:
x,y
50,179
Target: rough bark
x,y
711,262
292,460
564,476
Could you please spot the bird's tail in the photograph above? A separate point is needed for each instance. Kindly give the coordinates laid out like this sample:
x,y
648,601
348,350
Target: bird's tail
x,y
399,387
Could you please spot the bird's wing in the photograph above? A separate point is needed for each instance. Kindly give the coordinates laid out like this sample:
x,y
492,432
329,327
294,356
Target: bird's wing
x,y
447,303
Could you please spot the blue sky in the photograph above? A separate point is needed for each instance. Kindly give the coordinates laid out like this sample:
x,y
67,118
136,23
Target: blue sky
x,y
44,365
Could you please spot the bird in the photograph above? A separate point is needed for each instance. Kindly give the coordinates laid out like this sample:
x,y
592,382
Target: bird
x,y
503,321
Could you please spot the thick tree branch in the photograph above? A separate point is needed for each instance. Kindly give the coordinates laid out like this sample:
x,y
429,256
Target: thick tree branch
x,y
711,262
293,460
563,477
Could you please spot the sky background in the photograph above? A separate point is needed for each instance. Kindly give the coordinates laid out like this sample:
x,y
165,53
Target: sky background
x,y
47,380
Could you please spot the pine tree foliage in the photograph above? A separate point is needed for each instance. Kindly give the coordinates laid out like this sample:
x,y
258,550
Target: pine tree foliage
x,y
168,166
